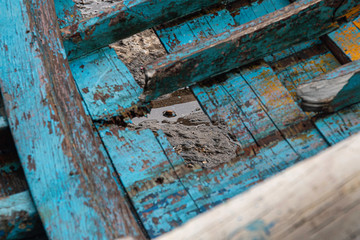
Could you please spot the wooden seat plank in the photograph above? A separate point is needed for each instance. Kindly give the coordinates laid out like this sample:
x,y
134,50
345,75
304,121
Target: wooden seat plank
x,y
125,19
221,54
177,36
159,197
106,85
56,151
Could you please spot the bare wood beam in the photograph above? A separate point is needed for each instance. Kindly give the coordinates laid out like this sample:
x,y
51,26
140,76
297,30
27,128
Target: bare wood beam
x,y
70,178
126,19
316,199
300,21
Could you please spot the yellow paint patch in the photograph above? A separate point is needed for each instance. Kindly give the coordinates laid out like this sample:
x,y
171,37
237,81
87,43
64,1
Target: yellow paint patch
x,y
348,39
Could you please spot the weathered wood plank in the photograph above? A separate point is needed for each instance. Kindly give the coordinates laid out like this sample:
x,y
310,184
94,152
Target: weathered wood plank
x,y
255,91
124,20
157,194
233,101
332,91
67,12
193,178
106,85
177,35
344,123
302,63
220,54
54,137
210,187
348,39
285,115
18,217
303,202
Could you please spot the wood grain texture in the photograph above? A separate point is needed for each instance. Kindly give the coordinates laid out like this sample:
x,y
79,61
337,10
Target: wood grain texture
x,y
301,64
275,31
332,91
67,12
316,199
106,85
243,100
348,39
127,18
211,187
18,217
159,197
251,101
69,177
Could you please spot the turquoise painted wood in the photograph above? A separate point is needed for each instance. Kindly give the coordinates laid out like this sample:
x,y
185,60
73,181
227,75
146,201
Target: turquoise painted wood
x,y
348,39
245,102
192,178
124,20
71,202
302,64
106,85
282,110
332,91
217,55
344,123
160,199
210,187
18,217
252,102
67,12
191,32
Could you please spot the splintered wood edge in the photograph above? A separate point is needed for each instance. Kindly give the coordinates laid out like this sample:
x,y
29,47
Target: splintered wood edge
x,y
291,205
323,89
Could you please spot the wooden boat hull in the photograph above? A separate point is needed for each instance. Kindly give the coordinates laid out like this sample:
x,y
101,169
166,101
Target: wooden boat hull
x,y
90,177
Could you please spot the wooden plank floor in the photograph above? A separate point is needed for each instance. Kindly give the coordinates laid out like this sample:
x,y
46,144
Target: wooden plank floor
x,y
245,109
255,101
303,202
167,193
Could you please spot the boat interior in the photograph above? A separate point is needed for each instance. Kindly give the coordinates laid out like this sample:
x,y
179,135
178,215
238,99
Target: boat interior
x,y
251,65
